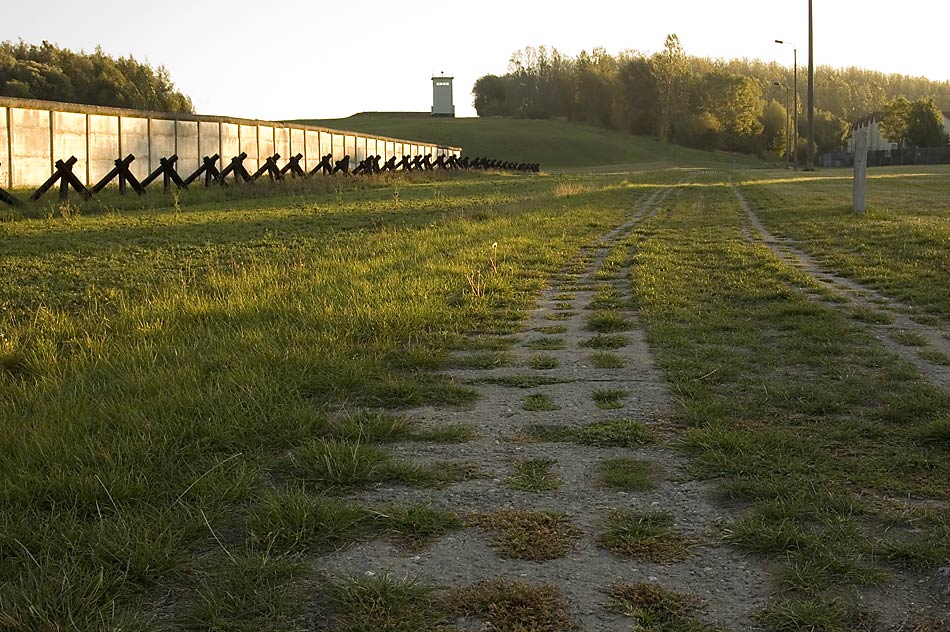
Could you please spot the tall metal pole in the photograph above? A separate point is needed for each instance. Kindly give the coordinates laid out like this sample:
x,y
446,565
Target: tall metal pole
x,y
810,164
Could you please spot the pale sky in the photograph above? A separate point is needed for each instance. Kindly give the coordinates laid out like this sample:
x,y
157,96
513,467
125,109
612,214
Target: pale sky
x,y
288,59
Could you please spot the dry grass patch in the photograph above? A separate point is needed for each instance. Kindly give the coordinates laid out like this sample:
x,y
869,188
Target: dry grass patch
x,y
529,535
508,605
655,608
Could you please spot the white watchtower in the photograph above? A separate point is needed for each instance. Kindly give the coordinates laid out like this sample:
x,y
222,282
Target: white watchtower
x,y
442,104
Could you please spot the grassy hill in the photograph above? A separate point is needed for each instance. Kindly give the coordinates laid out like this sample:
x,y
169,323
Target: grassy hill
x,y
553,143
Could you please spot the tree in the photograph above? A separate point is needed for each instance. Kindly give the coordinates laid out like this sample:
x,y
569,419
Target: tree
x,y
925,124
58,74
895,120
736,102
491,96
830,132
639,95
774,132
671,69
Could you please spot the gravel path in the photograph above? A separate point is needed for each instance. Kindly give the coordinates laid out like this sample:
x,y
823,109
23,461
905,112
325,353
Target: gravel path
x,y
732,585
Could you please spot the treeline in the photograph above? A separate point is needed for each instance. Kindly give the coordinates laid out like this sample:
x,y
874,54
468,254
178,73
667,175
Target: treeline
x,y
694,101
58,74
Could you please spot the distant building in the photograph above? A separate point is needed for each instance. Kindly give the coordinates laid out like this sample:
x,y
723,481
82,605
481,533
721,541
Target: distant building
x,y
876,140
442,104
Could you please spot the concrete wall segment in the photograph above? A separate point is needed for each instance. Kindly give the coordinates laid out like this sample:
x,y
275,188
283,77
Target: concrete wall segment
x,y
4,149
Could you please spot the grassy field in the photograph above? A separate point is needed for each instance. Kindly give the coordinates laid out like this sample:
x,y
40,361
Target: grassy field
x,y
190,391
157,368
900,246
553,143
815,428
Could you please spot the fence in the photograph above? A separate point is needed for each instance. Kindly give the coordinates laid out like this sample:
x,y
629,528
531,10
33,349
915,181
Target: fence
x,y
891,157
35,135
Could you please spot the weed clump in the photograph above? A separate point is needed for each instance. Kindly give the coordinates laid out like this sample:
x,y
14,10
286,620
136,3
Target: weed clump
x,y
529,535
647,536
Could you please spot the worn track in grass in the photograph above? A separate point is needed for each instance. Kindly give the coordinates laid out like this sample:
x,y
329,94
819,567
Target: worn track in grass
x,y
893,317
732,585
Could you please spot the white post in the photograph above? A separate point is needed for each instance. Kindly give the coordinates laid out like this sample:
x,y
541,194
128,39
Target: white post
x,y
860,168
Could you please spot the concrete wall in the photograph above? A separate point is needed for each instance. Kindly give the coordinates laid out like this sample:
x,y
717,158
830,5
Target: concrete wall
x,y
35,134
4,149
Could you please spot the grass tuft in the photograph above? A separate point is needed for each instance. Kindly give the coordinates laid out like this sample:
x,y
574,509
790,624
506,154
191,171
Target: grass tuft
x,y
506,604
655,608
545,344
607,322
529,535
534,476
647,536
619,433
610,398
543,362
606,360
606,342
627,474
368,604
538,402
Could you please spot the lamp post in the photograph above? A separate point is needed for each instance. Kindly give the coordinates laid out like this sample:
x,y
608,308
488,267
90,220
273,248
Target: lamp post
x,y
795,108
788,114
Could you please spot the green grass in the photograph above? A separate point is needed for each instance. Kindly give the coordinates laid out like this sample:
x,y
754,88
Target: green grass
x,y
607,322
909,339
367,604
606,341
529,535
609,398
898,246
627,474
551,329
607,360
543,361
483,360
204,353
246,594
534,475
791,403
545,344
620,433
935,357
644,536
520,381
538,402
553,143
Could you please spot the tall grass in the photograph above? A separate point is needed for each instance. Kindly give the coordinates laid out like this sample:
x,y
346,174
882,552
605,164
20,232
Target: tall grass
x,y
153,366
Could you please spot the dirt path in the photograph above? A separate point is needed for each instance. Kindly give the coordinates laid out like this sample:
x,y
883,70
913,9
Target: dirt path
x,y
733,586
891,320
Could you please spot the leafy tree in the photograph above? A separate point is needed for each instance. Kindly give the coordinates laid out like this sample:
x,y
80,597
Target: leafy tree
x,y
491,95
639,95
895,120
774,132
925,124
58,74
671,69
830,131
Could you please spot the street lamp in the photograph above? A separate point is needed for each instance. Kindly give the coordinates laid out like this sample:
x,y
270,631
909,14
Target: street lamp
x,y
810,161
795,109
788,114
